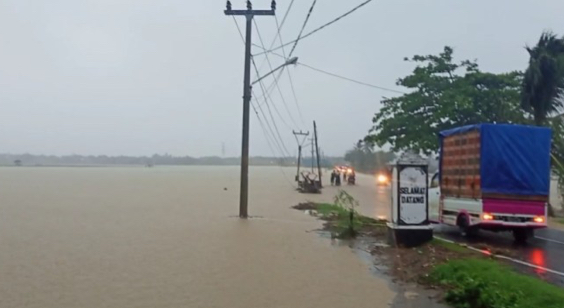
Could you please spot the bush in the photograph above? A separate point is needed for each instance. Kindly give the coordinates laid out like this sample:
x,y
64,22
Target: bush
x,y
468,292
481,283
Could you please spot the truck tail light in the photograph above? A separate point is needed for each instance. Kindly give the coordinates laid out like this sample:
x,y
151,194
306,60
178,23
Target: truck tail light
x,y
487,216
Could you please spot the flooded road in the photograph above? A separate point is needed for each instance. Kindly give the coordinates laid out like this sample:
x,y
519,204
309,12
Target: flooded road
x,y
167,237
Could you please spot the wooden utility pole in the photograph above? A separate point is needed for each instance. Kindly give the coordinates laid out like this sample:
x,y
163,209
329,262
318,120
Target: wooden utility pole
x,y
296,134
312,155
249,13
317,152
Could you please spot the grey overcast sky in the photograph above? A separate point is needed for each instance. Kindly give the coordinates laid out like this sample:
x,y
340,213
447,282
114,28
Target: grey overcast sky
x,y
137,77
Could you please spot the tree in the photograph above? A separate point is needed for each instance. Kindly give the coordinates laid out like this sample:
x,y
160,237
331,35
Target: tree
x,y
557,152
444,94
17,162
543,82
363,158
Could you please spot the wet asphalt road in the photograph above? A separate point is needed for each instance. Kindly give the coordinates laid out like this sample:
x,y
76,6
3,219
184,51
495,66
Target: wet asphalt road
x,y
546,249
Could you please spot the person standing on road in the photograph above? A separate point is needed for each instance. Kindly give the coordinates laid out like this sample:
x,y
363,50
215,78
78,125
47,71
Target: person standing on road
x,y
333,176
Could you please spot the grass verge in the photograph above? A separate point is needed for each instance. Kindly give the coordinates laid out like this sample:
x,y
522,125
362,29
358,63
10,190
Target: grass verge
x,y
483,283
449,246
340,223
464,278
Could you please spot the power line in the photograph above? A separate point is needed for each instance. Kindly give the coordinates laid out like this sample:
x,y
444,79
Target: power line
x,y
272,85
343,77
276,81
266,98
295,97
318,29
279,28
350,79
273,135
264,132
239,29
258,117
288,71
303,28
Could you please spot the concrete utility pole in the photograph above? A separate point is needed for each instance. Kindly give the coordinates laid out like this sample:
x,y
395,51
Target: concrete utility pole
x,y
296,134
317,152
249,13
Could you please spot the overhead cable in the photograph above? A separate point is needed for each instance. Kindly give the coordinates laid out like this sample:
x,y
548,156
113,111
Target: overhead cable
x,y
276,80
317,29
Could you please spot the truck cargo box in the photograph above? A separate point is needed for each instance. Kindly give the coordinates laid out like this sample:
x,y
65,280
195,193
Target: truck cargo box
x,y
495,161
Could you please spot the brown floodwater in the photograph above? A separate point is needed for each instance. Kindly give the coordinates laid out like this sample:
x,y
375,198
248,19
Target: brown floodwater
x,y
167,237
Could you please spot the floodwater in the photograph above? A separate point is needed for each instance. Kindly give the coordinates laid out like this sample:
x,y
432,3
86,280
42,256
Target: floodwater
x,y
167,237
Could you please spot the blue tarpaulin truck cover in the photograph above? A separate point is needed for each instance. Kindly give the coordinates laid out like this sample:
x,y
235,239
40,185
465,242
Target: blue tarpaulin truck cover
x,y
514,159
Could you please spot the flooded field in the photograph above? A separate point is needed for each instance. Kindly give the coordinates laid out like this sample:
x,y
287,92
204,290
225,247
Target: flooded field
x,y
167,237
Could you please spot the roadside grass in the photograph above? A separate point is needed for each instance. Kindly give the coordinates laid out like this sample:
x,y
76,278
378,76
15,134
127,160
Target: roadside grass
x,y
478,283
560,221
449,246
468,280
339,217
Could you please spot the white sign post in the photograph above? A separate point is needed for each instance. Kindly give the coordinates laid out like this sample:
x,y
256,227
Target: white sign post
x,y
409,225
412,195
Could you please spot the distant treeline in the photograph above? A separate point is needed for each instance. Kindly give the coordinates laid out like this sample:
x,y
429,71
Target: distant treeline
x,y
157,159
363,158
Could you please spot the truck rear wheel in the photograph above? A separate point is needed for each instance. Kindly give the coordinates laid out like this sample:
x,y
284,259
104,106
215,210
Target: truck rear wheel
x,y
521,235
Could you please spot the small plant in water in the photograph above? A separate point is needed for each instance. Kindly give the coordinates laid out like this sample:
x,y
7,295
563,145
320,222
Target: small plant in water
x,y
345,201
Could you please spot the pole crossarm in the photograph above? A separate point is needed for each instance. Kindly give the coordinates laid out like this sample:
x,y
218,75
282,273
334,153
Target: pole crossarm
x,y
250,12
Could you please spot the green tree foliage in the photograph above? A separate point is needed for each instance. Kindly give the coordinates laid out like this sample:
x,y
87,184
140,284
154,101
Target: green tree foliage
x,y
543,82
543,90
557,151
363,158
443,94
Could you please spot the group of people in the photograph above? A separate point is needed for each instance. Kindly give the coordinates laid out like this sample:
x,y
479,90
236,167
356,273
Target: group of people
x,y
336,176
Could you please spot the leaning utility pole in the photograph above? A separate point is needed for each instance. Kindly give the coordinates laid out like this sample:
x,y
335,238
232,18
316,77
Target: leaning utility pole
x,y
249,13
296,134
312,140
317,152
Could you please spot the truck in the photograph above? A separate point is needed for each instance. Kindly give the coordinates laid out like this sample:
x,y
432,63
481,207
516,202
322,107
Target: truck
x,y
494,177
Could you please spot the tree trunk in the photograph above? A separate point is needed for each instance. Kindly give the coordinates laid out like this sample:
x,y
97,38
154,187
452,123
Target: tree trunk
x,y
539,118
